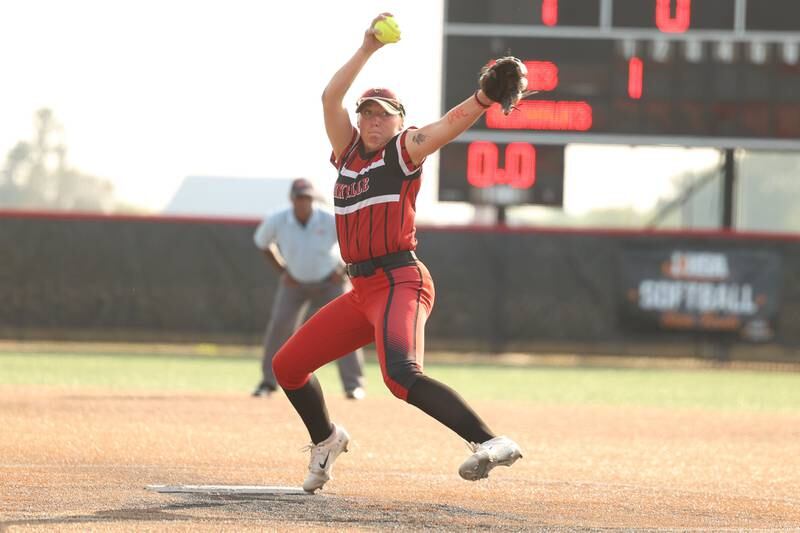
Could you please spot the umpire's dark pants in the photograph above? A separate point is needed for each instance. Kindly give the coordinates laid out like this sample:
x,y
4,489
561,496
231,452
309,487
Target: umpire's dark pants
x,y
291,307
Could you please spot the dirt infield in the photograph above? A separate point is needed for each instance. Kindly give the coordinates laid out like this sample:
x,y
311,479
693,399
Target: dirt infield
x,y
78,460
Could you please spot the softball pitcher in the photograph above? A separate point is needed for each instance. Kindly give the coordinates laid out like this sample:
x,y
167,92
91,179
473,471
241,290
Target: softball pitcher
x,y
380,166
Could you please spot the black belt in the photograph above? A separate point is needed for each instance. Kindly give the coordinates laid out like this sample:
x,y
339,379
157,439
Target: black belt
x,y
367,268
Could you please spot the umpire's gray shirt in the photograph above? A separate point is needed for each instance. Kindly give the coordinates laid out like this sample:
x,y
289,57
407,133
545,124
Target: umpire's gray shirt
x,y
311,252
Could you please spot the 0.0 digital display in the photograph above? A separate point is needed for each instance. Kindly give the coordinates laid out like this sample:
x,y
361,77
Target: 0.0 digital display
x,y
484,172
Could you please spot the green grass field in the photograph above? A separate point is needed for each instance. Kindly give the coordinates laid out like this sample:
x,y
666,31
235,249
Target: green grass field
x,y
702,388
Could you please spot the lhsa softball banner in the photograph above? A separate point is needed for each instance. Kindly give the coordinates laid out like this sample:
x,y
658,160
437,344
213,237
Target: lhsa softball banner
x,y
735,291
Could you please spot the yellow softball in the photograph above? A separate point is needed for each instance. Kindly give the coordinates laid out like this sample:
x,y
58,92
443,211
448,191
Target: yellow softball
x,y
387,30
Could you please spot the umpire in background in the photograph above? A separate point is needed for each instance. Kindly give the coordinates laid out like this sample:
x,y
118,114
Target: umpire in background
x,y
301,244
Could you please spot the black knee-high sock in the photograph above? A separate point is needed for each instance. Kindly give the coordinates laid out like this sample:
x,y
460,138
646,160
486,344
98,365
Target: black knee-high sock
x,y
445,405
309,403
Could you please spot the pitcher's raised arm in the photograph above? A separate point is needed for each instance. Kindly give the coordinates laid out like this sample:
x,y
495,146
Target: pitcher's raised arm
x,y
337,120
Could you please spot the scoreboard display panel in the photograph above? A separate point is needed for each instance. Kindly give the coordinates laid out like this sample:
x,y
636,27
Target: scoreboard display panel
x,y
716,73
485,172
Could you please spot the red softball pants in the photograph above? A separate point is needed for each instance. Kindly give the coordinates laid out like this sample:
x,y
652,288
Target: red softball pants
x,y
390,308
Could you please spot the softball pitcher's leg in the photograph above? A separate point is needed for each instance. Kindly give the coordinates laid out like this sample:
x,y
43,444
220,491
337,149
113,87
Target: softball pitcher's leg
x,y
400,346
448,407
287,310
336,329
351,366
400,343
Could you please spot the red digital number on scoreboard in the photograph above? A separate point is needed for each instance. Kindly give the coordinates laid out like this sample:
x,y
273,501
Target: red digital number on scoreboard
x,y
635,75
549,12
483,169
677,21
671,16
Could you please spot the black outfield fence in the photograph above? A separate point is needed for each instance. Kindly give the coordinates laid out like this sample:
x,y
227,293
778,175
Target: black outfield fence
x,y
131,279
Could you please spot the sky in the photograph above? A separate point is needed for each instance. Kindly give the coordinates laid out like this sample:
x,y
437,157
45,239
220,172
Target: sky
x,y
150,92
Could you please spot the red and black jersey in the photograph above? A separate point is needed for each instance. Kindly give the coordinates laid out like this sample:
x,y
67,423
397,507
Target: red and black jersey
x,y
375,199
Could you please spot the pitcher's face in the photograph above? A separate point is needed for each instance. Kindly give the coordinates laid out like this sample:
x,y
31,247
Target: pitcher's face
x,y
377,126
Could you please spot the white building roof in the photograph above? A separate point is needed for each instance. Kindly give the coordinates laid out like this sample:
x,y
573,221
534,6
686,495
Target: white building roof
x,y
229,196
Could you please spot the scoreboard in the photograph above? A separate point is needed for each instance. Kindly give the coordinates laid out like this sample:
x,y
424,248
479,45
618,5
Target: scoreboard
x,y
716,73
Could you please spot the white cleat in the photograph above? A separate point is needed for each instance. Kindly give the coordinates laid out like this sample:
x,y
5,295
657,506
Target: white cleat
x,y
499,451
322,457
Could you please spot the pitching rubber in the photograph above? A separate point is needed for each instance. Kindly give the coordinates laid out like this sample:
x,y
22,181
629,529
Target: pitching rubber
x,y
274,490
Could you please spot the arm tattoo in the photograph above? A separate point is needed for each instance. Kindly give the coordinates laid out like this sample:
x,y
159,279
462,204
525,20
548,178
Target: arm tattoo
x,y
419,138
455,115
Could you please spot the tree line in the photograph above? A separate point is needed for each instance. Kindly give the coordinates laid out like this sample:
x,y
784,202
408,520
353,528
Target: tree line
x,y
37,175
